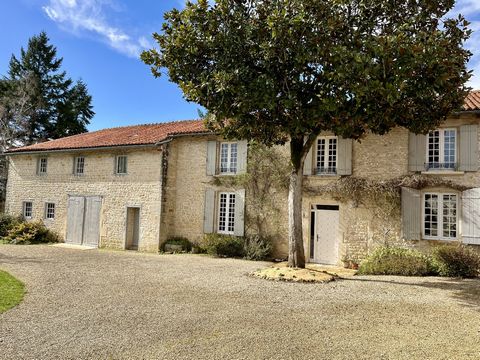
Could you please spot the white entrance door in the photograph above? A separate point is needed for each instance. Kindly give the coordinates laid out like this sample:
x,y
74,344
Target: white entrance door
x,y
325,246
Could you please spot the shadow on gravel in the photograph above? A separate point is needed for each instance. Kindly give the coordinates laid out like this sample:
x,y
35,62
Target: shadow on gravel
x,y
8,259
465,291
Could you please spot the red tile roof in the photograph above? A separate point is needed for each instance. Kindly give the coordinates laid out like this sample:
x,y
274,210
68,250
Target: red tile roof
x,y
148,134
472,101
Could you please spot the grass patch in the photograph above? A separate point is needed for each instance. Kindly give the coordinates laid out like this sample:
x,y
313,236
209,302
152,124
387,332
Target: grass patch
x,y
11,291
281,272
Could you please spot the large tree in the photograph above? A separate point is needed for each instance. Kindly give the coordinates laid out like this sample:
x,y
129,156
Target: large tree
x,y
284,71
38,101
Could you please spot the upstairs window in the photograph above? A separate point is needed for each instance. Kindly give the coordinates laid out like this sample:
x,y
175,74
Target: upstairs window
x,y
79,165
27,209
226,213
440,216
49,211
121,165
326,163
442,150
228,157
42,166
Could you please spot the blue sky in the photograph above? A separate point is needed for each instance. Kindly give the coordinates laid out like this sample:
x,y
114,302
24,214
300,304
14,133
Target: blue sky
x,y
100,41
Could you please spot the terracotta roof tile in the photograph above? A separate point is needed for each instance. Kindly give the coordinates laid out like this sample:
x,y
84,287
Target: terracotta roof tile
x,y
148,134
472,101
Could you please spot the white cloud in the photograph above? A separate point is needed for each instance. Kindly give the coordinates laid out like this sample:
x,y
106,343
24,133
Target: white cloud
x,y
89,16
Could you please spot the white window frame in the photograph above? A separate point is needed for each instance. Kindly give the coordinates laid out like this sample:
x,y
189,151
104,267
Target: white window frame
x,y
229,214
42,170
76,162
229,158
326,156
440,216
24,209
117,162
47,214
441,158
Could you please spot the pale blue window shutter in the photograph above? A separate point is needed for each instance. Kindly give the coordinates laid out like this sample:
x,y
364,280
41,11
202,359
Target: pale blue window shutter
x,y
242,148
308,163
211,157
344,156
417,152
468,158
411,214
471,216
209,212
239,226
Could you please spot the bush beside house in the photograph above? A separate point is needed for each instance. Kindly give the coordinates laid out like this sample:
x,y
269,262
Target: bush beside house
x,y
14,230
446,260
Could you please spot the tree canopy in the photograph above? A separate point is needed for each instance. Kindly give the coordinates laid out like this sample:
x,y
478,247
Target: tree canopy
x,y
285,70
38,101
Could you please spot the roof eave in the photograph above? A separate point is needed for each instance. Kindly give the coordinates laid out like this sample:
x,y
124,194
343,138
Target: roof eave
x,y
110,147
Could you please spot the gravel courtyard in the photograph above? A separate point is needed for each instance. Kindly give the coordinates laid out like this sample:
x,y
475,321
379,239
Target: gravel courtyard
x,y
94,304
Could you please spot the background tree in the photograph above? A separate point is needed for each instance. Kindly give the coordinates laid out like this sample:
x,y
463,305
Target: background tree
x,y
285,70
41,101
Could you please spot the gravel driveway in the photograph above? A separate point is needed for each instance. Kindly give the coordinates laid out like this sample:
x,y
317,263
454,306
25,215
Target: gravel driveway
x,y
95,304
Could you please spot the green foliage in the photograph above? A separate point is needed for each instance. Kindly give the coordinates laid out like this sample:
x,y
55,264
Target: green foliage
x,y
37,99
258,247
31,232
224,245
289,68
396,261
456,261
178,240
7,223
11,291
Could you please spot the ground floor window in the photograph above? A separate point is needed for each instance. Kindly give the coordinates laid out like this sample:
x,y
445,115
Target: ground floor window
x,y
226,213
440,216
49,211
27,209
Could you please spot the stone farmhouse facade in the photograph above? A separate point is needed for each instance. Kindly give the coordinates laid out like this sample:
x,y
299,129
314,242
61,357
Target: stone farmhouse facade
x,y
134,187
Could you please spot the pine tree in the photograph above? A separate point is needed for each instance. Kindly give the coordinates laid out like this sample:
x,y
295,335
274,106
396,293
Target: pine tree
x,y
52,105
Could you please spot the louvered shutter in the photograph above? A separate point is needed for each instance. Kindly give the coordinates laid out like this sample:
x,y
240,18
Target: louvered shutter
x,y
471,216
417,144
344,156
211,157
239,226
242,153
209,212
468,148
411,214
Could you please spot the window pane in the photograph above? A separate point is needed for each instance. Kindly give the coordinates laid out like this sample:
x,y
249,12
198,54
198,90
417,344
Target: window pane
x,y
121,165
231,213
224,158
42,167
431,215
449,149
434,149
449,218
50,212
222,212
79,165
320,156
332,156
27,209
233,158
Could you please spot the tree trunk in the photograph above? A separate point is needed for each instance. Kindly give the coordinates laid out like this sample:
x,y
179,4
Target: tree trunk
x,y
296,253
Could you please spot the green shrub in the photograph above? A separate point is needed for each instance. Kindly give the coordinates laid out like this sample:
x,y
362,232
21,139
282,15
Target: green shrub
x,y
258,247
7,223
396,261
33,232
456,261
178,240
224,245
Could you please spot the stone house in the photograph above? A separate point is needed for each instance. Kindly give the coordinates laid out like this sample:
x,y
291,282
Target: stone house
x,y
134,187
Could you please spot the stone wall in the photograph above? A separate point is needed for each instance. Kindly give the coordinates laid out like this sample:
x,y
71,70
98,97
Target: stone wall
x,y
141,187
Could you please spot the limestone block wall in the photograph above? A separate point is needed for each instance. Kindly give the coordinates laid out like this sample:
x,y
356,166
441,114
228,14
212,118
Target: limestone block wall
x,y
141,187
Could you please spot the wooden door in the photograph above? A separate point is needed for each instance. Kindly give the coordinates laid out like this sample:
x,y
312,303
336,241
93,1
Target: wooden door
x,y
75,220
326,236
